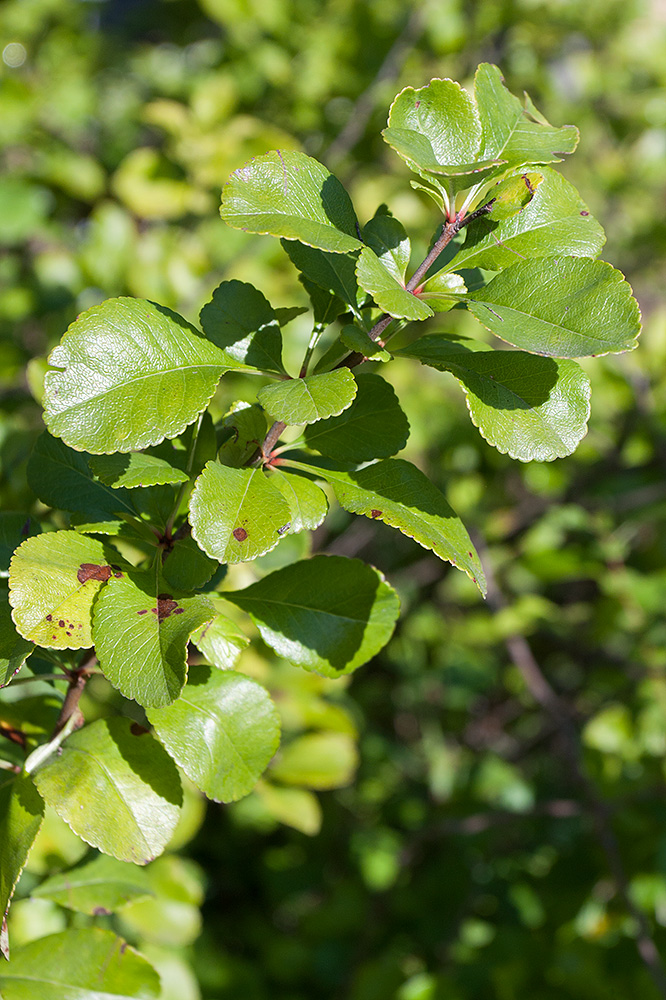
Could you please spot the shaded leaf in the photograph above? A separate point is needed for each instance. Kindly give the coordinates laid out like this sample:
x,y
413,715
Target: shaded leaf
x,y
134,469
186,567
242,322
358,340
102,885
326,307
389,294
327,614
307,400
242,430
15,527
118,791
21,814
387,238
333,272
289,194
294,807
14,649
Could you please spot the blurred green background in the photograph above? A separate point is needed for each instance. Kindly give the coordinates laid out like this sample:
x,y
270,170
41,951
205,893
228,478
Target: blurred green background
x,y
460,859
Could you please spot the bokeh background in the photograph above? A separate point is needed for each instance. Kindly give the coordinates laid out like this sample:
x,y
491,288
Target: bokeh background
x,y
480,812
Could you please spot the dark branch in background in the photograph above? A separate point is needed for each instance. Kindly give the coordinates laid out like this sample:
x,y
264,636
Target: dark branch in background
x,y
389,70
544,694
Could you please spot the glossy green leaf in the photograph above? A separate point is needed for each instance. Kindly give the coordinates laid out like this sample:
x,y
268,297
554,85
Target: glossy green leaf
x,y
443,291
530,407
242,322
374,426
134,469
186,567
79,964
327,614
14,649
396,492
21,814
119,791
508,132
286,193
307,400
96,887
222,731
242,430
236,514
555,221
317,760
332,271
358,340
130,374
221,642
511,195
389,295
387,238
566,307
307,501
136,613
295,807
53,580
435,128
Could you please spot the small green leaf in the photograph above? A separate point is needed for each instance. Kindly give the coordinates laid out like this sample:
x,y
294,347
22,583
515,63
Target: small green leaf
x,y
118,791
398,493
14,649
134,469
387,238
86,964
566,307
435,128
307,501
285,314
527,406
327,614
374,426
358,340
186,567
555,221
222,731
307,400
236,514
443,291
317,760
389,295
96,887
221,642
242,322
131,373
135,613
53,580
326,307
294,807
242,430
511,195
507,130
289,194
333,272
21,814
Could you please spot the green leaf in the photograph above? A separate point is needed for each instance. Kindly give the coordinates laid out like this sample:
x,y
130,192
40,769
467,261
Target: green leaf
x,y
566,307
374,426
86,964
443,291
242,429
53,580
62,478
186,567
171,917
527,406
508,132
555,221
118,791
285,314
242,322
134,614
326,307
294,807
21,814
358,340
396,492
436,128
15,527
307,400
221,642
307,501
387,238
390,295
327,614
131,373
14,649
333,272
317,760
96,887
511,195
289,194
134,469
236,514
222,731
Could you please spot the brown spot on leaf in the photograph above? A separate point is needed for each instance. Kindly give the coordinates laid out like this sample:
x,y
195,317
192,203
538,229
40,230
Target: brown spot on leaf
x,y
179,611
375,513
284,528
101,911
584,213
91,571
144,611
527,182
136,729
61,623
165,606
116,571
240,534
49,618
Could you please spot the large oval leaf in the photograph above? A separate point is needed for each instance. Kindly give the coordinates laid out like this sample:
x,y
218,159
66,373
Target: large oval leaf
x,y
118,791
222,731
289,194
236,514
79,964
564,307
306,400
21,814
136,615
328,613
132,373
102,885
